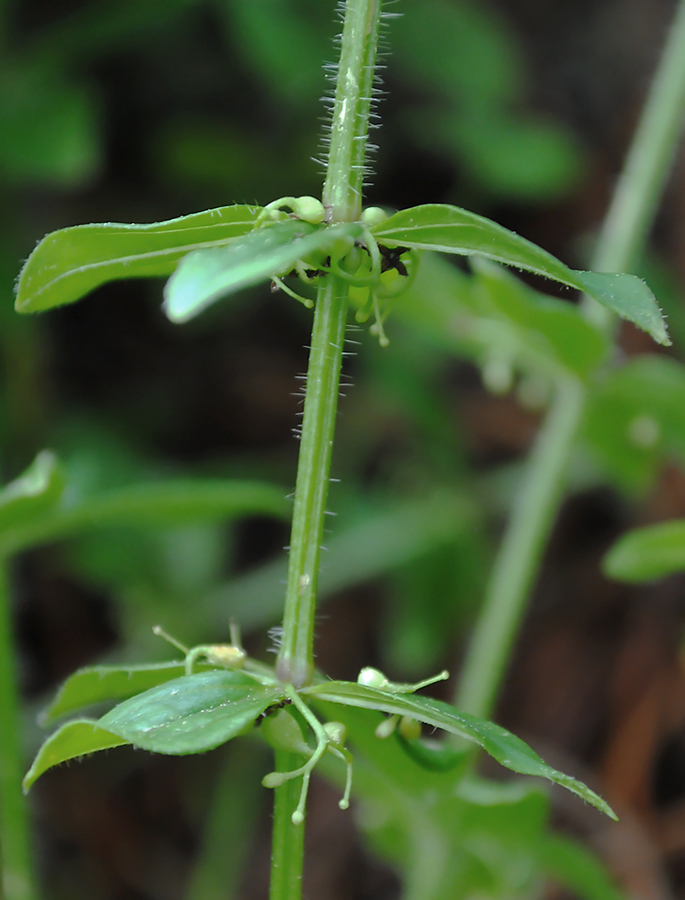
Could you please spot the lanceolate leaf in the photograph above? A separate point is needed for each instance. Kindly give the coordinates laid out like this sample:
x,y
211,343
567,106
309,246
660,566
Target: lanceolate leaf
x,y
73,739
193,713
628,296
505,747
449,229
98,683
569,863
636,418
73,261
648,553
160,503
33,494
185,715
206,275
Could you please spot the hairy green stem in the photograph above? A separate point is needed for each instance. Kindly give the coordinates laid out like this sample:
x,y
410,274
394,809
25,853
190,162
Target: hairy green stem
x,y
295,662
626,226
17,872
342,198
342,192
288,840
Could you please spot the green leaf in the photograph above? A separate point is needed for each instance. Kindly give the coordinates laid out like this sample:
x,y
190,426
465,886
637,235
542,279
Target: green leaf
x,y
548,327
69,263
630,297
33,494
505,747
192,714
449,229
450,836
454,836
636,419
98,683
573,866
207,275
647,553
493,315
73,739
50,127
163,503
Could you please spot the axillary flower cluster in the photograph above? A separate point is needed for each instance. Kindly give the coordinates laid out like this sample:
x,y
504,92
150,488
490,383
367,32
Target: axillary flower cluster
x,y
283,731
376,274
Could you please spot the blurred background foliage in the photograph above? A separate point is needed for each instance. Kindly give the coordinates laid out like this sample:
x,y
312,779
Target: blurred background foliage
x,y
117,110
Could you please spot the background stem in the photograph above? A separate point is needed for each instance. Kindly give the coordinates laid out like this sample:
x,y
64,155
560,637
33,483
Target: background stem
x,y
514,570
17,872
649,161
624,233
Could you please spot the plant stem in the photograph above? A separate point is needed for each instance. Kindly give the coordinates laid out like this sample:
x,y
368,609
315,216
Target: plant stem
x,y
288,839
649,161
232,823
515,566
342,198
624,233
342,191
17,873
296,656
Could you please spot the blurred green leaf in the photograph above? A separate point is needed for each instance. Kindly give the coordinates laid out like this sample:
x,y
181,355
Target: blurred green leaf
x,y
458,50
449,229
384,537
50,127
204,276
463,63
231,826
212,156
73,739
74,261
570,864
636,418
515,156
157,503
493,315
90,31
505,747
192,714
647,553
454,836
97,683
431,599
33,494
276,37
557,328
